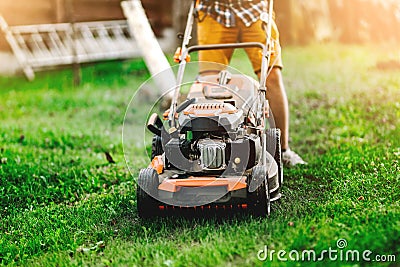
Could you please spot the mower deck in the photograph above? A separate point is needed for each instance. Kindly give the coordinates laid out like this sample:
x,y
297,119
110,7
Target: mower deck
x,y
178,191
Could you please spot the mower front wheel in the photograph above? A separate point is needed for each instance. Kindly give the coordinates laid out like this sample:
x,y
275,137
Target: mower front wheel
x,y
146,192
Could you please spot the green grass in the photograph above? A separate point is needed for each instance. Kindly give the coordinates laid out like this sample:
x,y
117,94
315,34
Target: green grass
x,y
62,203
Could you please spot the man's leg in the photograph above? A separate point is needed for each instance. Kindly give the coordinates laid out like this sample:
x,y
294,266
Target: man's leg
x,y
278,103
276,93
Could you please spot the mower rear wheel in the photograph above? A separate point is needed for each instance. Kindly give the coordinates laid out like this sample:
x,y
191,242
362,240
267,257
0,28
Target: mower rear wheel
x,y
259,200
147,190
274,148
156,146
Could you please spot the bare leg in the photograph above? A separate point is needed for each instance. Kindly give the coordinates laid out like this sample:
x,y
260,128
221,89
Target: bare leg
x,y
278,102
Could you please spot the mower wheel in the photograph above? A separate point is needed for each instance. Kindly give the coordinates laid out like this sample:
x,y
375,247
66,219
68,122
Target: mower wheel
x,y
156,146
274,148
259,200
147,189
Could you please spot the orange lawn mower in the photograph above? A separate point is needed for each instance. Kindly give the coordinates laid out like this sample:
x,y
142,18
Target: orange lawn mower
x,y
214,151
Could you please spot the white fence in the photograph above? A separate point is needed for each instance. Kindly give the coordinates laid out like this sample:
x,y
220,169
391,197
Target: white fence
x,y
47,45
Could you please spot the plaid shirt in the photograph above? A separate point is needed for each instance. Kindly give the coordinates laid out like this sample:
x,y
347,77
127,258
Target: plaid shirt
x,y
225,12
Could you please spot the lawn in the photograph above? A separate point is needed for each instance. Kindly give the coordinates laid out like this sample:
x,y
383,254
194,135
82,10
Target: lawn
x,y
63,203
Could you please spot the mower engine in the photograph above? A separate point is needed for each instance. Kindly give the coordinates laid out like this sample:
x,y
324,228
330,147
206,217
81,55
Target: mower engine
x,y
212,140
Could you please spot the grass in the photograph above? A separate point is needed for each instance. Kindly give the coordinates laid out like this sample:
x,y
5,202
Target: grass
x,y
62,203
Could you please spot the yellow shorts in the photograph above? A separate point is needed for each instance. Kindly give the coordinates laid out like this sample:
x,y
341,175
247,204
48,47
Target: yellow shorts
x,y
209,31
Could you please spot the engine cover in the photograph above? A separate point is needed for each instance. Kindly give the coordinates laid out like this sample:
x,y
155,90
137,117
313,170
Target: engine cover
x,y
210,117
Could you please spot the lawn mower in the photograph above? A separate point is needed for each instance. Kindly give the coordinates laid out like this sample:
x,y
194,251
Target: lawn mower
x,y
215,150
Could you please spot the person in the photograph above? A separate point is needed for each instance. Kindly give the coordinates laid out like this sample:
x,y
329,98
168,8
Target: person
x,y
229,21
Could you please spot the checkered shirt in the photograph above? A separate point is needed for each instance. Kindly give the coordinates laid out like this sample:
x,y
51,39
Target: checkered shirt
x,y
225,12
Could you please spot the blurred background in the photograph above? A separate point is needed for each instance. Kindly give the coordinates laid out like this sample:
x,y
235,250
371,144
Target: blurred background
x,y
300,21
